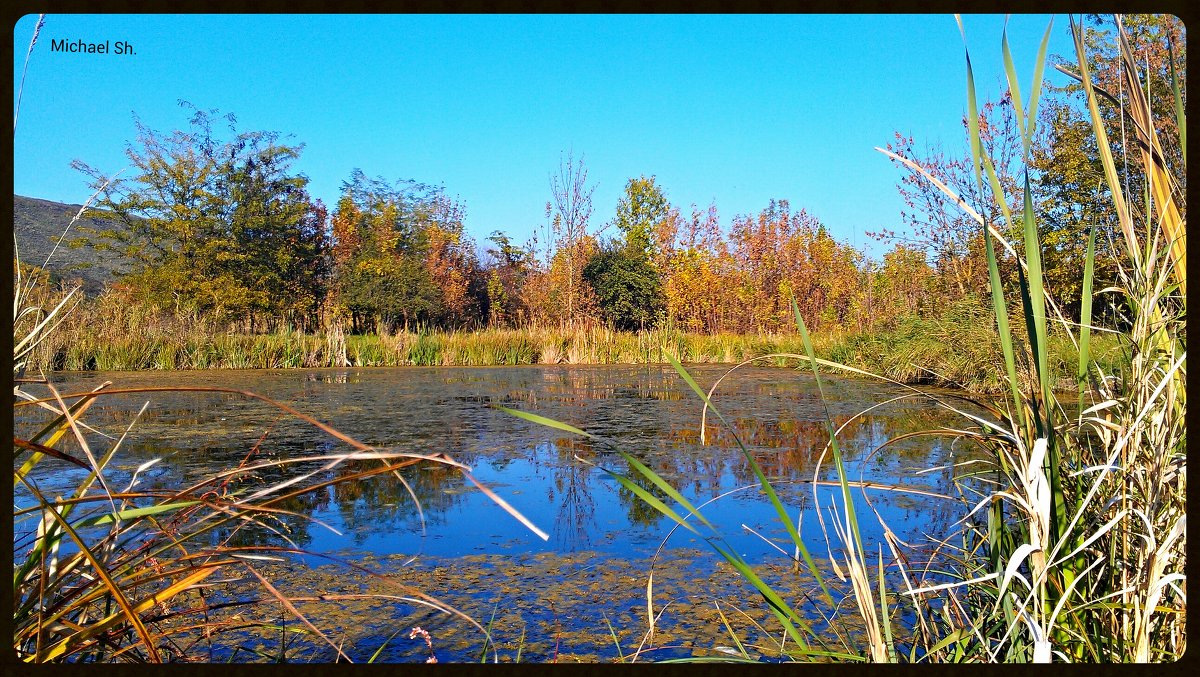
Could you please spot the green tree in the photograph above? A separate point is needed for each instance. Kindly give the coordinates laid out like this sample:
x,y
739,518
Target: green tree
x,y
639,211
506,275
627,288
1159,45
1069,188
223,228
387,292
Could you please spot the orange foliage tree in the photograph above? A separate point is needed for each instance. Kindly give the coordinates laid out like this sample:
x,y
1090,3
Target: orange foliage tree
x,y
782,255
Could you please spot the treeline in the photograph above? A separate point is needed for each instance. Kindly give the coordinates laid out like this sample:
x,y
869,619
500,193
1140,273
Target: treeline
x,y
224,231
219,229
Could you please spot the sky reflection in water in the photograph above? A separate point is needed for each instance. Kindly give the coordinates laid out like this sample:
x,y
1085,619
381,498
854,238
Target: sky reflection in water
x,y
645,410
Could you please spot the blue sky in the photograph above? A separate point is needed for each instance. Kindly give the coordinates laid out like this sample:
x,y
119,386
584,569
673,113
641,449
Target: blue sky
x,y
732,109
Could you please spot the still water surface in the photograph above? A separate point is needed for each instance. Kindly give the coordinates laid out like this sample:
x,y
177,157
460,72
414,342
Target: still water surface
x,y
594,524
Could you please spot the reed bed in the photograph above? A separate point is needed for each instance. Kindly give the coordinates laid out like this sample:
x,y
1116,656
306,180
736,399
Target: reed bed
x,y
958,349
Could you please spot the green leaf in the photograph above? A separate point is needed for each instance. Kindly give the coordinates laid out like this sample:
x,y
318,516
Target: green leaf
x,y
1038,70
1037,300
835,450
548,422
780,608
664,486
1014,87
769,490
1180,116
998,305
133,513
1085,314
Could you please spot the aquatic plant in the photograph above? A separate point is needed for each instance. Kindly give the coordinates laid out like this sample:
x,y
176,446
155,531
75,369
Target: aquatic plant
x,y
930,351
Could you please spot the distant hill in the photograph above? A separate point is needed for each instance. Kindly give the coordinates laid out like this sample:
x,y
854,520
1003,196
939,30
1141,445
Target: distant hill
x,y
38,224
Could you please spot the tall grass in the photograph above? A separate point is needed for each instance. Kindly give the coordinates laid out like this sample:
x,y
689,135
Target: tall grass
x,y
1071,547
958,348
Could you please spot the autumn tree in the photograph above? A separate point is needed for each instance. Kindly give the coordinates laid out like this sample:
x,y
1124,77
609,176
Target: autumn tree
x,y
902,285
937,224
215,227
453,267
401,256
1069,185
571,198
701,282
782,255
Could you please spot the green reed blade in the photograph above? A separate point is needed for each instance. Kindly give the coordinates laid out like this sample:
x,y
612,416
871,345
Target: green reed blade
x,y
379,651
835,450
133,513
886,617
636,464
786,615
548,422
998,305
1037,300
955,636
972,114
58,427
762,478
1180,115
1014,88
732,635
1085,314
1039,69
780,608
652,500
612,632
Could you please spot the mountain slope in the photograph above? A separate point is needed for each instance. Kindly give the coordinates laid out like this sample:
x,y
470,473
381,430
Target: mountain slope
x,y
38,224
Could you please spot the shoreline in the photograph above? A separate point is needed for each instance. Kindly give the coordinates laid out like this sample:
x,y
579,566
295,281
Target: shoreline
x,y
950,354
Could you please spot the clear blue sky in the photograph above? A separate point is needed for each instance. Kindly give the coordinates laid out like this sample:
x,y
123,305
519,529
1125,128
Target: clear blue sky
x,y
732,109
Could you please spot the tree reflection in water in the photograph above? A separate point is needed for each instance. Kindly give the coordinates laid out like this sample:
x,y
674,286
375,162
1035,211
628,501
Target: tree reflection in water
x,y
576,514
645,411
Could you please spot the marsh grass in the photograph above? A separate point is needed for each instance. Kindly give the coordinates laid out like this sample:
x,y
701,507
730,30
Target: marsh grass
x,y
957,349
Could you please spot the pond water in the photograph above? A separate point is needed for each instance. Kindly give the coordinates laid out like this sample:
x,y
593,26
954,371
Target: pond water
x,y
600,534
